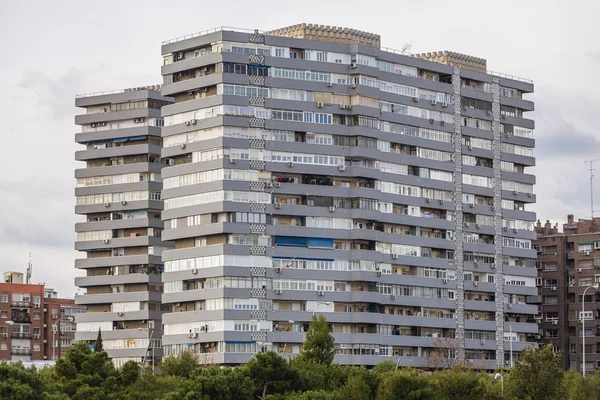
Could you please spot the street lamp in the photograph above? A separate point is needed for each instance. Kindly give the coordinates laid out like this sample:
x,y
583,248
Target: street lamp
x,y
499,376
595,287
326,303
151,332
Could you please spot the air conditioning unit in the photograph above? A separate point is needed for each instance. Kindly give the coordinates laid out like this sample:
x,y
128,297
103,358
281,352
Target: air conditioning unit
x,y
471,205
277,270
477,226
444,281
348,107
554,322
353,65
232,160
342,167
278,205
509,305
187,123
428,200
433,102
515,192
278,291
106,241
268,185
331,208
378,273
5,335
476,283
444,104
431,120
120,313
320,105
466,224
193,335
106,204
123,202
290,164
320,293
441,201
194,270
492,266
394,256
93,125
529,194
416,99
505,228
442,123
195,121
353,86
482,342
515,230
470,147
393,297
554,288
276,184
329,84
587,252
182,146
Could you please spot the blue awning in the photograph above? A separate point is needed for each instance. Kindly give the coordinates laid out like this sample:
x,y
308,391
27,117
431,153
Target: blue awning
x,y
320,242
129,139
303,258
290,241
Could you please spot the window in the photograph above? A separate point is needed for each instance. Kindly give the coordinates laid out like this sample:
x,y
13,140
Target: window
x,y
550,300
3,298
3,314
36,347
550,267
3,346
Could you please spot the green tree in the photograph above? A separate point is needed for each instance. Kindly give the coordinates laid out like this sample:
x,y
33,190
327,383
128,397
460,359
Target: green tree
x,y
578,387
356,388
151,386
407,383
269,370
457,383
20,383
98,344
319,345
182,365
214,383
538,375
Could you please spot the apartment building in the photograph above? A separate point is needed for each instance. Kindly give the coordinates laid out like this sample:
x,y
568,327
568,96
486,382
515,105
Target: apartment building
x,y
317,172
569,265
35,324
118,193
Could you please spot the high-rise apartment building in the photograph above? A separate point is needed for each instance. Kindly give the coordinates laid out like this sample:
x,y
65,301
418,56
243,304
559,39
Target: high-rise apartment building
x,y
569,265
315,172
118,192
35,324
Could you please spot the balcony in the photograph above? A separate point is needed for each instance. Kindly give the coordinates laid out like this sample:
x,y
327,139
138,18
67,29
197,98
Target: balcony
x,y
20,352
22,318
20,304
20,335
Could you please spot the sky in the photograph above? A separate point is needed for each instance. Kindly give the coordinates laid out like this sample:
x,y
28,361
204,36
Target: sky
x,y
55,50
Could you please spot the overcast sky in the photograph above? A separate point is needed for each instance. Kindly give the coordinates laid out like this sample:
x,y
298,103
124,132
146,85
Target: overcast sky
x,y
55,50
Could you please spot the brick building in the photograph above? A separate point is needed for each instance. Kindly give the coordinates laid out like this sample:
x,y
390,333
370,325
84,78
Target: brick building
x,y
29,314
569,263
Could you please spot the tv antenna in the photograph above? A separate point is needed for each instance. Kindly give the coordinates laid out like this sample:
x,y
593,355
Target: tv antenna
x,y
29,268
591,162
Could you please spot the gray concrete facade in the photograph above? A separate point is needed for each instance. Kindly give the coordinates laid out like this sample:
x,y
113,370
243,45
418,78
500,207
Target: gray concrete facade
x,y
387,192
118,193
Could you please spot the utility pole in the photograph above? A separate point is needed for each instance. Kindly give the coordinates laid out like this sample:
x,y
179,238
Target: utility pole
x,y
591,162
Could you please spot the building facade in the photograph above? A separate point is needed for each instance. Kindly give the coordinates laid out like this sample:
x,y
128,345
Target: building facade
x,y
35,324
385,191
339,177
118,192
569,264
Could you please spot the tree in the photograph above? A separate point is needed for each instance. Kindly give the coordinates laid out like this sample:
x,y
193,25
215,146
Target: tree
x,y
98,344
407,383
182,365
457,383
538,375
270,370
319,345
443,354
356,388
579,387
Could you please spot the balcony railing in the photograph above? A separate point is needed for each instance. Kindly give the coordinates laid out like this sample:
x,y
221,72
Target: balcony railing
x,y
20,352
20,335
20,304
21,319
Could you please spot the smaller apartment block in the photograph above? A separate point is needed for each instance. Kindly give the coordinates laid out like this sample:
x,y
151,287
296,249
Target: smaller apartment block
x,y
34,323
569,263
118,193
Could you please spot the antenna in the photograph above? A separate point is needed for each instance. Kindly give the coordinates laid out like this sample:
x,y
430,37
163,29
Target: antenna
x,y
591,162
28,275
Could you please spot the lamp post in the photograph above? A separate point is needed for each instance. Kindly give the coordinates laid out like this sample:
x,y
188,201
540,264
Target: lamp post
x,y
595,287
499,376
326,303
151,332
